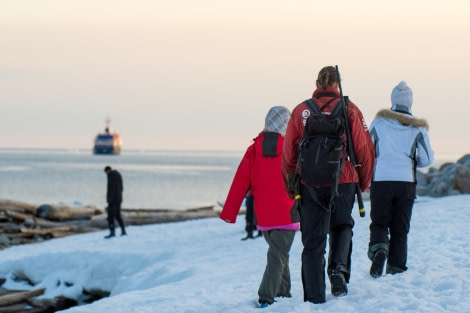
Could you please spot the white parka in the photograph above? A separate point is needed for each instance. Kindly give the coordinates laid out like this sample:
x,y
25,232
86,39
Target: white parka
x,y
401,144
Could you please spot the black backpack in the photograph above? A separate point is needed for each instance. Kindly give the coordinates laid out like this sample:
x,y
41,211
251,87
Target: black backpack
x,y
322,149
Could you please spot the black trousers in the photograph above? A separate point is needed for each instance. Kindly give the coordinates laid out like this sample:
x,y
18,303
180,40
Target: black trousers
x,y
391,208
314,237
114,212
250,215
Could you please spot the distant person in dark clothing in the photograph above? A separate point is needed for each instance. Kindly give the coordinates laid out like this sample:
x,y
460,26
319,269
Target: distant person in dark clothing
x,y
114,199
250,218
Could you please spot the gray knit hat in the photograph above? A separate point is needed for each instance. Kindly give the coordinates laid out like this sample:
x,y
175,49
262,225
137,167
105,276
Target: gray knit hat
x,y
276,120
402,98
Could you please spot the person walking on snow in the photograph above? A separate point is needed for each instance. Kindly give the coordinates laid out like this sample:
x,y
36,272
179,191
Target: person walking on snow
x,y
312,212
277,219
250,218
401,145
114,199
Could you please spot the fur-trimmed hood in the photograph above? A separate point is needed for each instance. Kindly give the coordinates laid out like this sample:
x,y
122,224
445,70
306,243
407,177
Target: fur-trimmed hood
x,y
404,119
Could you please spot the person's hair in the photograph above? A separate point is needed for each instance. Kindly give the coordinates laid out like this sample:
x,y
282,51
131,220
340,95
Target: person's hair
x,y
107,168
327,77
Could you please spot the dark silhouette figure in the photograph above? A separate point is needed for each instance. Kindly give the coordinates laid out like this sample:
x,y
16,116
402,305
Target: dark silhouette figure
x,y
250,219
114,199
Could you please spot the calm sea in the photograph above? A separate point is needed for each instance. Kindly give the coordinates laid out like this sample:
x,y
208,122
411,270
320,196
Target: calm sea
x,y
152,179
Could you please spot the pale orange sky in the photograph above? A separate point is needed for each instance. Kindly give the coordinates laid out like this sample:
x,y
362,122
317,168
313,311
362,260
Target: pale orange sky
x,y
163,70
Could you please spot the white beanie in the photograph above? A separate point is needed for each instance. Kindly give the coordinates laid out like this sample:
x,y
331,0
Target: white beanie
x,y
276,120
402,98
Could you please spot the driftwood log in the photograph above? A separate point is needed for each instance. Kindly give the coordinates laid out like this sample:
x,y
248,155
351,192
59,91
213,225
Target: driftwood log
x,y
20,301
19,296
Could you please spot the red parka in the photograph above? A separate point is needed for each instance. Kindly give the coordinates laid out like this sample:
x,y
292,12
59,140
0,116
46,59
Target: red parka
x,y
363,146
262,176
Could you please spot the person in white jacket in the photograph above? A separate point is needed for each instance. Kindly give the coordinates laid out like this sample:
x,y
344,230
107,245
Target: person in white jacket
x,y
401,144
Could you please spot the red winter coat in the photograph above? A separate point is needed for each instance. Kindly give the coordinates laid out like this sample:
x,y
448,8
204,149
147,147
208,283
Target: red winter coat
x,y
262,175
360,135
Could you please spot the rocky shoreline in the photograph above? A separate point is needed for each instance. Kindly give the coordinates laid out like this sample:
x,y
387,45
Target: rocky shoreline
x,y
448,180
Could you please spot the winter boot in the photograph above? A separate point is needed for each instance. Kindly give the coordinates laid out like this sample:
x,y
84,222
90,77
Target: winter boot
x,y
111,231
394,270
377,253
339,287
263,305
378,262
110,235
249,235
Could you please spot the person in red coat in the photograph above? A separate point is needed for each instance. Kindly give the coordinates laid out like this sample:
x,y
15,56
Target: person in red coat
x,y
277,218
312,212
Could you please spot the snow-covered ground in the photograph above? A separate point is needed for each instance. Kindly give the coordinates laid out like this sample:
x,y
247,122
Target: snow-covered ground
x,y
203,266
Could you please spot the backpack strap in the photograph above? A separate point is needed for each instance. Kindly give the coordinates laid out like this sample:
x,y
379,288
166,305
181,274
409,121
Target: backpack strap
x,y
338,109
312,105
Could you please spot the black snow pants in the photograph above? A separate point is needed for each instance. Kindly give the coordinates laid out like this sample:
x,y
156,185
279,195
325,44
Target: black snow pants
x,y
250,215
391,208
114,212
314,237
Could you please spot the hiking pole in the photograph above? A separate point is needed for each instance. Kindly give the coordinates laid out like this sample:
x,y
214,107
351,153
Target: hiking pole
x,y
352,154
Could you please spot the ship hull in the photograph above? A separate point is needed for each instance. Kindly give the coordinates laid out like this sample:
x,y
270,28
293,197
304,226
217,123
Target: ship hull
x,y
107,144
107,150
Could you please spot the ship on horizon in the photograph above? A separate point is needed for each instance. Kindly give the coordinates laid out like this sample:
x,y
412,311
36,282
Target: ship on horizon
x,y
107,142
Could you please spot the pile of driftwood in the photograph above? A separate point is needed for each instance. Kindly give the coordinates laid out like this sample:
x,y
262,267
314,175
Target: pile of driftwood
x,y
23,223
25,301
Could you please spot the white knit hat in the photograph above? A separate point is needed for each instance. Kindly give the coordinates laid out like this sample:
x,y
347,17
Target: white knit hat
x,y
402,98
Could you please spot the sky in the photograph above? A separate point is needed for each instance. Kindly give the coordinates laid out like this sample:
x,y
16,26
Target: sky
x,y
201,75
159,268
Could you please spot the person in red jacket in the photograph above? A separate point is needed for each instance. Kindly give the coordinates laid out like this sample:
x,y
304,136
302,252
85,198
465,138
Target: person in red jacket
x,y
312,214
260,172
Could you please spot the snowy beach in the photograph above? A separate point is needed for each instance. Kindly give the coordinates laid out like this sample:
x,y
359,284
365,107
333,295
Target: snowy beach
x,y
203,266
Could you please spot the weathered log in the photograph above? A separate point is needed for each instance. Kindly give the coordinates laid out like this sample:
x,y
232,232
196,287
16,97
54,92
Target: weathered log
x,y
17,206
17,216
19,296
63,213
23,308
56,304
9,228
43,223
43,232
145,218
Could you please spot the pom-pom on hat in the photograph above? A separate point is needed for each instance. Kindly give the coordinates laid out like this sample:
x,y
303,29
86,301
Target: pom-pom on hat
x,y
402,98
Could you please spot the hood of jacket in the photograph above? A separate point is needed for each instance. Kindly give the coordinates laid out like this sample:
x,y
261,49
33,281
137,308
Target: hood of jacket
x,y
404,119
270,143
